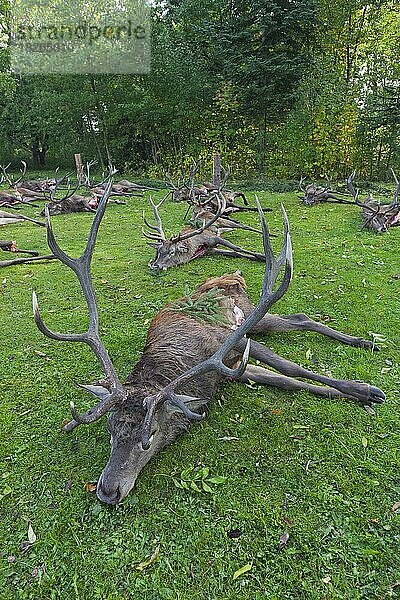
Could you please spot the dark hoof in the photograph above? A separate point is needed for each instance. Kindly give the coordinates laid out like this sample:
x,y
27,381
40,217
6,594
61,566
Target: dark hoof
x,y
370,345
376,395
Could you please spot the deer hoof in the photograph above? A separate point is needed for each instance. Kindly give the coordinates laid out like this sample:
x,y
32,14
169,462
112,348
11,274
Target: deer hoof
x,y
376,395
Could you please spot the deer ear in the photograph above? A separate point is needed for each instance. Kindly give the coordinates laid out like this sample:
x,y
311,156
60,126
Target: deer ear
x,y
97,390
182,248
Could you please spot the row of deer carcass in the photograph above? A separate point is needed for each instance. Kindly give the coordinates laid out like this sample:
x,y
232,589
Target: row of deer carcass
x,y
192,345
375,216
25,191
60,195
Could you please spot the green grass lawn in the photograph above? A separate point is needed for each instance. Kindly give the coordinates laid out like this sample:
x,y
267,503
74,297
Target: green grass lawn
x,y
324,471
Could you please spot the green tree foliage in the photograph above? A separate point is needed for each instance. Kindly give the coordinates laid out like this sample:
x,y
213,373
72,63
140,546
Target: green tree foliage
x,y
282,87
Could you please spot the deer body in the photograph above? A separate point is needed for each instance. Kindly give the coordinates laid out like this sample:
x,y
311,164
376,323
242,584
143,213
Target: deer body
x,y
379,217
75,203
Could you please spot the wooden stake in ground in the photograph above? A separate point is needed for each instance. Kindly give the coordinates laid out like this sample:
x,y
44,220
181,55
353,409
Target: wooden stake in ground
x,y
217,170
79,167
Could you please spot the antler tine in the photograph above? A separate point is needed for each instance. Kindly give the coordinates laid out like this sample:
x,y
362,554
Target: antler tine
x,y
226,172
22,171
5,176
192,173
215,362
351,188
221,201
302,180
397,192
81,267
89,164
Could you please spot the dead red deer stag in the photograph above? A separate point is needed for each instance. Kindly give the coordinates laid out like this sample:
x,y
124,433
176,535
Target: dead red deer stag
x,y
314,194
206,193
70,202
187,353
377,217
19,192
191,242
124,187
6,218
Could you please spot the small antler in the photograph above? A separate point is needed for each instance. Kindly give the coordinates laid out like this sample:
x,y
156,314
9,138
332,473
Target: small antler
x,y
81,267
221,202
216,361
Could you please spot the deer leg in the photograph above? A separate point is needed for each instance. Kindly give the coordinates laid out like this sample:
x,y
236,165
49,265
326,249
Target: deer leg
x,y
267,377
230,253
300,322
256,255
354,390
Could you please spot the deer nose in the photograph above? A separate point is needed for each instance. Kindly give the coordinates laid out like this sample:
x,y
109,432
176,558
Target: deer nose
x,y
108,493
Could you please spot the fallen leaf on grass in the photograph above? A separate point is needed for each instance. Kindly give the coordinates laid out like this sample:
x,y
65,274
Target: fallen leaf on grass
x,y
242,570
67,485
395,506
276,411
283,540
364,442
27,545
326,579
149,561
31,535
90,486
41,354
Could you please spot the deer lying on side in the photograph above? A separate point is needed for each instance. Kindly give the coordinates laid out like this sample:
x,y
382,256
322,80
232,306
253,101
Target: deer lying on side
x,y
124,187
72,202
19,192
11,246
187,353
314,194
191,242
377,217
205,194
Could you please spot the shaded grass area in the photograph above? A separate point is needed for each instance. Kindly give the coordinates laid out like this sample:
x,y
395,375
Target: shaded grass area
x,y
324,471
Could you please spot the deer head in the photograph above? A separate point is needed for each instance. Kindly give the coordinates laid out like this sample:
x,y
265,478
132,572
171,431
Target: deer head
x,y
178,250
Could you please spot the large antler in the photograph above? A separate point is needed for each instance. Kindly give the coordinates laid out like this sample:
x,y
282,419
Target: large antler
x,y
216,361
81,267
5,176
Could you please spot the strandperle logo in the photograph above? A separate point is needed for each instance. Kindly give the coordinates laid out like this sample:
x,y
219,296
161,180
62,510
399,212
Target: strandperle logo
x,y
82,31
90,37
